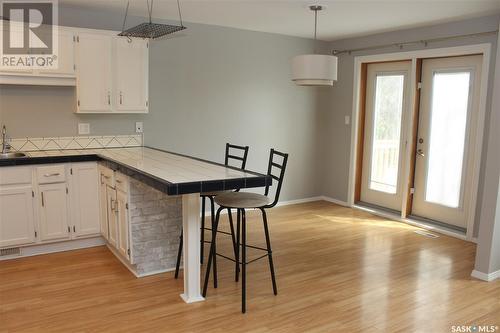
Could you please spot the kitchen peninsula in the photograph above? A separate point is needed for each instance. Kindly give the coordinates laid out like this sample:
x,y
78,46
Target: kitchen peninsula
x,y
140,195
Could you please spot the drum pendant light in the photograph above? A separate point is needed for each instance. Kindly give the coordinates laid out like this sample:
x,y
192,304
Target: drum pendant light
x,y
314,69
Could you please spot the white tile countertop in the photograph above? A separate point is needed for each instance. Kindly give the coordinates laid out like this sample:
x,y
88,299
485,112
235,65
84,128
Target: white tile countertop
x,y
180,174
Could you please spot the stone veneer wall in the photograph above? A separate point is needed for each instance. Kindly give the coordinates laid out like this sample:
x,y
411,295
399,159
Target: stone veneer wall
x,y
156,224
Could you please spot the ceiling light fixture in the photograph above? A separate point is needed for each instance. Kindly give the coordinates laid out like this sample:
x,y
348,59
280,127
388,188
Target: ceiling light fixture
x,y
314,69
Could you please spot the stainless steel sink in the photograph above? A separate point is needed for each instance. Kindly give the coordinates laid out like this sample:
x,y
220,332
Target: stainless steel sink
x,y
12,155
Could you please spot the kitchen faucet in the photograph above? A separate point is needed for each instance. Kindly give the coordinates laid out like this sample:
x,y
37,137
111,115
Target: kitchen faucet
x,y
5,145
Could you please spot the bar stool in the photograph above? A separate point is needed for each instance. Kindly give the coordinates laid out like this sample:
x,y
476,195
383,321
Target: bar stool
x,y
242,201
237,155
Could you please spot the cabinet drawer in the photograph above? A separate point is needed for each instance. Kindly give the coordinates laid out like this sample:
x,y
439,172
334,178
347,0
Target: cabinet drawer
x,y
107,176
121,182
51,174
15,175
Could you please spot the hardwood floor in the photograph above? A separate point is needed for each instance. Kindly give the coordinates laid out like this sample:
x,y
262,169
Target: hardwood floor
x,y
338,270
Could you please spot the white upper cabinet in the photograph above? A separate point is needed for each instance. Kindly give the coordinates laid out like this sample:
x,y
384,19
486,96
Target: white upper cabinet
x,y
62,75
66,55
93,66
131,74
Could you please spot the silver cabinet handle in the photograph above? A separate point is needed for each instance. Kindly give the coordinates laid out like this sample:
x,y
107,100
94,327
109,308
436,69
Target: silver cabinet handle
x,y
121,98
109,98
43,202
118,181
112,205
55,174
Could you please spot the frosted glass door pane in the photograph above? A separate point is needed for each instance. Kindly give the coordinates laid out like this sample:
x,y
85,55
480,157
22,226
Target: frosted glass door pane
x,y
389,91
449,105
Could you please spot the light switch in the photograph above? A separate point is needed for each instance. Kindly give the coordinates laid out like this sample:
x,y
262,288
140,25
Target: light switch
x,y
83,128
139,127
347,120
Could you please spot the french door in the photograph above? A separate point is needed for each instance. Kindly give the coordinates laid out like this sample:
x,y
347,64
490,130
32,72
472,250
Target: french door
x,y
444,126
386,106
449,102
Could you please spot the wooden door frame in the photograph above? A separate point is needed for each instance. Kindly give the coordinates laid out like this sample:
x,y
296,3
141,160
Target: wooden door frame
x,y
359,106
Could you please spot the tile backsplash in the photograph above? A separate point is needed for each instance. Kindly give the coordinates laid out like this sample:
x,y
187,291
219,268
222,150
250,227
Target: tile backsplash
x,y
76,142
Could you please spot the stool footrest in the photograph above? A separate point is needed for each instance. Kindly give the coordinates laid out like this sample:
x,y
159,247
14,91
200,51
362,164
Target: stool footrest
x,y
240,262
219,231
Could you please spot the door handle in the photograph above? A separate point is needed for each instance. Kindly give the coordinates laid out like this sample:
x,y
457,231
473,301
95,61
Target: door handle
x,y
420,152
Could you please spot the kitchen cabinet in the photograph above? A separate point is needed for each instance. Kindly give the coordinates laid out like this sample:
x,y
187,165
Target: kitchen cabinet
x,y
53,208
93,67
65,56
122,219
130,74
103,202
16,215
112,216
114,207
84,200
62,75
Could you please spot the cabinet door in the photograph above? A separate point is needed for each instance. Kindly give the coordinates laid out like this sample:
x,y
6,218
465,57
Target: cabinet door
x,y
85,199
53,212
93,67
16,216
16,36
65,55
122,214
131,75
112,216
103,205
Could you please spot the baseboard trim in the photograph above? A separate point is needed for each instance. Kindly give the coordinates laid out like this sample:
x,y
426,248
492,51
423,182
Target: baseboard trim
x,y
425,226
335,201
293,202
76,244
488,277
298,201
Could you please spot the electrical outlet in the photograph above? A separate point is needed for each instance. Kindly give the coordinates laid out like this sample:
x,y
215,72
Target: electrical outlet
x,y
139,127
347,120
83,128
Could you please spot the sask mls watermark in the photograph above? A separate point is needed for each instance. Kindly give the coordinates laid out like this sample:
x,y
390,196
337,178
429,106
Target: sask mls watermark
x,y
29,35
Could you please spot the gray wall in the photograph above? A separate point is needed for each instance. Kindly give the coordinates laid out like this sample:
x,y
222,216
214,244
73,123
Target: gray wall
x,y
214,85
338,102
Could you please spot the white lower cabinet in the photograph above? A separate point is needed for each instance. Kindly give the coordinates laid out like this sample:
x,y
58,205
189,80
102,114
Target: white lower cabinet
x,y
112,216
16,215
114,198
122,217
103,203
61,202
48,203
84,203
53,208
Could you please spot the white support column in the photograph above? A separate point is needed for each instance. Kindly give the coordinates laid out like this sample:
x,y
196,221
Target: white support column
x,y
191,247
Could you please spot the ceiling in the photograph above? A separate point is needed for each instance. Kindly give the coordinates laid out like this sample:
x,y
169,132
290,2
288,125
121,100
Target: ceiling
x,y
341,19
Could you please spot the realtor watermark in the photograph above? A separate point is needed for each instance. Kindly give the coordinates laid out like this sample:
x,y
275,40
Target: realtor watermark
x,y
29,35
474,329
